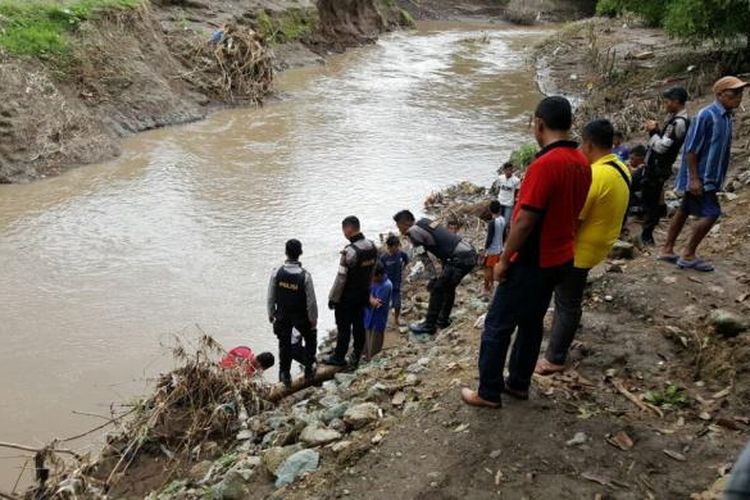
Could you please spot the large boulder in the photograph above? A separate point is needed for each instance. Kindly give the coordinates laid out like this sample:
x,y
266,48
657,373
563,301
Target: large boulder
x,y
727,323
622,250
273,458
296,465
360,415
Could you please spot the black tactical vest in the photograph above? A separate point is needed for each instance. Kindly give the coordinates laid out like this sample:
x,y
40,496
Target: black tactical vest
x,y
359,276
445,241
291,299
661,164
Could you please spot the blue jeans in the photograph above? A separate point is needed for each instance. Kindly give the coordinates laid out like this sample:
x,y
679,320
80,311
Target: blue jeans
x,y
507,214
520,301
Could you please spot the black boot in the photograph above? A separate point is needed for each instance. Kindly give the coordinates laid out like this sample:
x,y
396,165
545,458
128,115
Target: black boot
x,y
310,374
422,328
647,237
286,379
334,361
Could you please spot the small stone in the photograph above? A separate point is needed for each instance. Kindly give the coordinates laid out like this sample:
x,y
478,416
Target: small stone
x,y
704,415
360,415
727,323
578,439
669,280
398,399
495,454
199,471
337,425
377,438
334,412
245,435
340,446
318,436
232,487
411,379
608,298
296,465
622,250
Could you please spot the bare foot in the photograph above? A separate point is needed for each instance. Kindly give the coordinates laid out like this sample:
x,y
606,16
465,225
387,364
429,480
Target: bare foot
x,y
544,367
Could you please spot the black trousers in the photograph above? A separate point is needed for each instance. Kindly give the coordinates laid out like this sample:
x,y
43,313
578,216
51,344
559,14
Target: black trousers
x,y
283,329
443,293
520,301
350,322
568,310
651,202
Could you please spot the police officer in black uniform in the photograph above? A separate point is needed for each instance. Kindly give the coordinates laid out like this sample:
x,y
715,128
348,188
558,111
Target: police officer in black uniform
x,y
457,257
350,293
663,148
292,304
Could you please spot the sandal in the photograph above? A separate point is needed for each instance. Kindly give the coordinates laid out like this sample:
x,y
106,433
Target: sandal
x,y
544,367
696,264
672,259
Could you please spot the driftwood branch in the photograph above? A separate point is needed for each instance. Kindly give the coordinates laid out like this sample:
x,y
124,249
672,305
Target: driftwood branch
x,y
324,372
633,399
31,449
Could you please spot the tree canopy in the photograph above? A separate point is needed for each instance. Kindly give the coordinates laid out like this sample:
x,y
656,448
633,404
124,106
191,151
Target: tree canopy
x,y
720,20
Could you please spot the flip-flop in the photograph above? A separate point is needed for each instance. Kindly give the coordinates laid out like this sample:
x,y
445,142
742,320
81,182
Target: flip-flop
x,y
672,259
699,265
545,368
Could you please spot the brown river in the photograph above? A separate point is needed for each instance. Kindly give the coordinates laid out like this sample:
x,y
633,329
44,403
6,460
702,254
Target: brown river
x,y
103,266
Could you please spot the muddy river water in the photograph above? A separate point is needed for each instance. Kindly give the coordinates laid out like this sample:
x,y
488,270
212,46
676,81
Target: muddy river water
x,y
103,266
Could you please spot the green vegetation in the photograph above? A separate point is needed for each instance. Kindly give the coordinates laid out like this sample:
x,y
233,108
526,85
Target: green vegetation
x,y
44,27
290,26
696,20
523,156
670,398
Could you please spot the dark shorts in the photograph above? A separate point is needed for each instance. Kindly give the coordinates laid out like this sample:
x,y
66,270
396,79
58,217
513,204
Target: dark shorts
x,y
706,205
396,299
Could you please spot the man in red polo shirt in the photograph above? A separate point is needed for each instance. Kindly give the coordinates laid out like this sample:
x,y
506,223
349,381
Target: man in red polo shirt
x,y
538,252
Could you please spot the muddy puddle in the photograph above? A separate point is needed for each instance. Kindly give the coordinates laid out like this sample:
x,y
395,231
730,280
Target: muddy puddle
x,y
103,266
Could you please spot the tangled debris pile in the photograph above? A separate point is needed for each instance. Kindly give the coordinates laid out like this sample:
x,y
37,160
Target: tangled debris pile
x,y
235,66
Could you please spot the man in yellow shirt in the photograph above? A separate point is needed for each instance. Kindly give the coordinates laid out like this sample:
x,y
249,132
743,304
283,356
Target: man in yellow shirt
x,y
599,225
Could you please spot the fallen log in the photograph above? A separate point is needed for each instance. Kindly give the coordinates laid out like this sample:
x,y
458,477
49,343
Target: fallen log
x,y
323,373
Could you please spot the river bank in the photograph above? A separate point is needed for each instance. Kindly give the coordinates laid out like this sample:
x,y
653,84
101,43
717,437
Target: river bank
x,y
184,227
397,427
138,65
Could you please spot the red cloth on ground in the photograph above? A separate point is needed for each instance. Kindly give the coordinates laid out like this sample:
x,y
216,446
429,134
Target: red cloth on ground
x,y
241,356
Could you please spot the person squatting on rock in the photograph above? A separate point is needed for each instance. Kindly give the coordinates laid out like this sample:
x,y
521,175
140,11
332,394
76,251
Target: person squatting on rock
x,y
394,261
598,228
350,293
663,148
493,245
376,314
457,257
292,305
243,356
705,161
538,254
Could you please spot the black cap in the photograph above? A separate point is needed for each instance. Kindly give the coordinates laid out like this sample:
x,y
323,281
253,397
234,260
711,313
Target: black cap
x,y
676,93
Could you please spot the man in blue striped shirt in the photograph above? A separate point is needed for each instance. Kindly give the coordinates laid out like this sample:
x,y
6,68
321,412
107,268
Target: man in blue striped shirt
x,y
705,160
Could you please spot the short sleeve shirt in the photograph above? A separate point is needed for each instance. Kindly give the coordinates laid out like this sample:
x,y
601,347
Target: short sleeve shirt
x,y
602,215
393,265
507,188
555,187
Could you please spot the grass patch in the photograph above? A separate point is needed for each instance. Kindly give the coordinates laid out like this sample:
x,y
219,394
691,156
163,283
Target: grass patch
x,y
290,26
43,28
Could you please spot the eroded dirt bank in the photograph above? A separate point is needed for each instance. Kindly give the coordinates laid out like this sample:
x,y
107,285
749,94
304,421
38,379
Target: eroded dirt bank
x,y
151,66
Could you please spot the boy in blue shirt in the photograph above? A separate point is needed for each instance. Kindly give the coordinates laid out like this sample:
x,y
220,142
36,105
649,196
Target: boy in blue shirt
x,y
394,260
376,315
